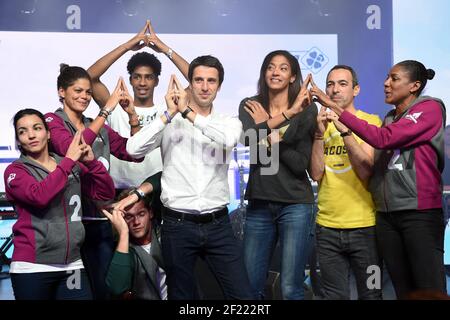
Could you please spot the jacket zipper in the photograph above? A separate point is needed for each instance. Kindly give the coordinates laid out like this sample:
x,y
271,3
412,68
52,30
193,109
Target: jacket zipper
x,y
67,231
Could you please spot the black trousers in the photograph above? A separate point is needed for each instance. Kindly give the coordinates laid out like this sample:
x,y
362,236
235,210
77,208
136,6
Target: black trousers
x,y
412,246
56,285
97,252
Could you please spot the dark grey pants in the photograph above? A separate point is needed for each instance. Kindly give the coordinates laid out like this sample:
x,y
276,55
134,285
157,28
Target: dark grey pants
x,y
342,250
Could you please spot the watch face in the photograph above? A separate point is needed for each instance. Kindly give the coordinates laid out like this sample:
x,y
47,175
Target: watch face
x,y
169,53
139,193
185,112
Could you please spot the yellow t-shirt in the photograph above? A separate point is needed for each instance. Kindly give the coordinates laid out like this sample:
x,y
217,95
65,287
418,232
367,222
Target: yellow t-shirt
x,y
344,201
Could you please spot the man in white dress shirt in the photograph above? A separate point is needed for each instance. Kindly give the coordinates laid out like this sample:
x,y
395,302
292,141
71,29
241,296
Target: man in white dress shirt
x,y
196,143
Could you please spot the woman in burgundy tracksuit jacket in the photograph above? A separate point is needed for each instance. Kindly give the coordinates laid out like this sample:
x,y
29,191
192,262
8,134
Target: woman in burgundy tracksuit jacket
x,y
75,92
46,191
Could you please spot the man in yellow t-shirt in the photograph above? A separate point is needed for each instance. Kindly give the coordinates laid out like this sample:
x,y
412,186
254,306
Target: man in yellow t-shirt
x,y
342,164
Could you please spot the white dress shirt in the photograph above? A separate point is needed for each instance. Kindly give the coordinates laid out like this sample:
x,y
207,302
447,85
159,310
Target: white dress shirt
x,y
195,159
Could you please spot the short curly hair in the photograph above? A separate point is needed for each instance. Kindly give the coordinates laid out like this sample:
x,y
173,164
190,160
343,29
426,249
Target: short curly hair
x,y
144,59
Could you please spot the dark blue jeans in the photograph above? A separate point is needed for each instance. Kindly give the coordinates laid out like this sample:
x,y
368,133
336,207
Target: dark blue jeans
x,y
412,246
291,224
59,285
342,250
184,241
97,252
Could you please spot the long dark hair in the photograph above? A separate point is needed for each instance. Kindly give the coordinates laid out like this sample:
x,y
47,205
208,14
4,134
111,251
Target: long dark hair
x,y
294,88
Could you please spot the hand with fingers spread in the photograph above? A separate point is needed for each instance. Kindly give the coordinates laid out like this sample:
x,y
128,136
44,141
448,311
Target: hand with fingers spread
x,y
256,111
302,100
138,41
76,148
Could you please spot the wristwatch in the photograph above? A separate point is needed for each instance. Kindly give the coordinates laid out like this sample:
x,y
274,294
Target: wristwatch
x,y
346,133
140,194
169,53
185,112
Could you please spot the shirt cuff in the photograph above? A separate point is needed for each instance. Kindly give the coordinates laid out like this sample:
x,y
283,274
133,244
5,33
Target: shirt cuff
x,y
89,136
122,259
346,117
200,122
159,124
67,164
91,163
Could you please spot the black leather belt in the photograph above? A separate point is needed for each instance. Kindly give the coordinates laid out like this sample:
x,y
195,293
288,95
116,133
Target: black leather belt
x,y
197,218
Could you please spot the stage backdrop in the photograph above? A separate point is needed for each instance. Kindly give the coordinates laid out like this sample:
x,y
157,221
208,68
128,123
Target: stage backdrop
x,y
37,35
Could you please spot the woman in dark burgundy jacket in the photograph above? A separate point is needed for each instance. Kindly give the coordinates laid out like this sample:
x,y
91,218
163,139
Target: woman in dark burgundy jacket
x,y
46,191
75,93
